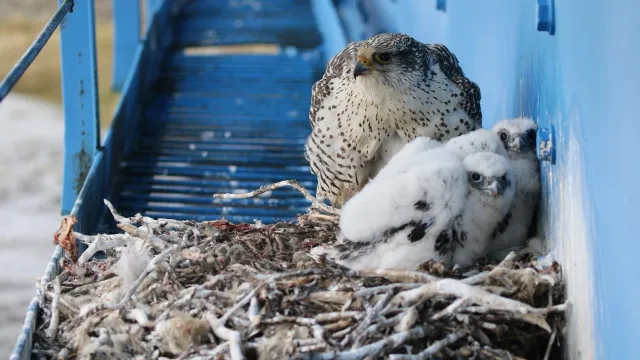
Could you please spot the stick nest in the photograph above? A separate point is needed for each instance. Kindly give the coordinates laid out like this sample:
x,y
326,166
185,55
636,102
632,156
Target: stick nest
x,y
217,290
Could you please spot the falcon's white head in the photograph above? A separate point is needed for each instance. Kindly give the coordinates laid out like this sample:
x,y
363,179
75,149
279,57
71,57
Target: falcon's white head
x,y
389,59
491,178
518,136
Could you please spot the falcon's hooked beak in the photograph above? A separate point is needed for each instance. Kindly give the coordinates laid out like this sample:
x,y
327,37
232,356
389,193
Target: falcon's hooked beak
x,y
495,188
361,67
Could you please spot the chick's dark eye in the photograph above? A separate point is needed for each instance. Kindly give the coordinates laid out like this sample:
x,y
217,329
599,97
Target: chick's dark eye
x,y
475,177
503,136
383,58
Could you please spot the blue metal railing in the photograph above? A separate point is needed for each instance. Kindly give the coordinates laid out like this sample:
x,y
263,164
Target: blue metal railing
x,y
84,155
32,52
80,78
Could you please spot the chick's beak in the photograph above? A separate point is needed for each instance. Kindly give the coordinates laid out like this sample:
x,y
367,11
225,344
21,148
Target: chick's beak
x,y
517,144
495,188
360,68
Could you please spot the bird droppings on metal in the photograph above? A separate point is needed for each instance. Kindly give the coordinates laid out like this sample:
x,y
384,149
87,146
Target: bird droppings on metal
x,y
81,165
290,51
207,135
546,149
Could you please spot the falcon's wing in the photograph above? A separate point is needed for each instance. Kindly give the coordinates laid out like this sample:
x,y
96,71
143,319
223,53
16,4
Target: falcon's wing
x,y
335,67
340,167
450,66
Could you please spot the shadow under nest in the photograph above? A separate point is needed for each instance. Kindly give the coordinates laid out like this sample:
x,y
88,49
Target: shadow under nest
x,y
217,290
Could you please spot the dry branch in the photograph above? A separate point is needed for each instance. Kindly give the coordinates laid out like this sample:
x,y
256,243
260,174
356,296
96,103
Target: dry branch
x,y
292,183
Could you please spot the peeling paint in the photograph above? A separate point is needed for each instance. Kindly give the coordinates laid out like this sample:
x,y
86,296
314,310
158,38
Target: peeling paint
x,y
81,165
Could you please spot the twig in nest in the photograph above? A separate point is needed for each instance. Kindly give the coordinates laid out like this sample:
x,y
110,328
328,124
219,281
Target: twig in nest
x,y
449,309
476,295
398,275
129,294
314,201
321,217
384,288
552,338
372,350
224,333
433,348
52,330
504,264
239,304
117,217
101,243
372,314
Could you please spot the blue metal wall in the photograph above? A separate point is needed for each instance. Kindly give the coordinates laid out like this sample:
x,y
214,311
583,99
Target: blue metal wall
x,y
582,80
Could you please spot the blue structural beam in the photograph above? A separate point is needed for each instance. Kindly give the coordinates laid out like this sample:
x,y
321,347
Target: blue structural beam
x,y
80,99
152,7
126,27
32,52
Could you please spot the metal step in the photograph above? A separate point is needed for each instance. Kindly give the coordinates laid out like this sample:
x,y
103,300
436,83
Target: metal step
x,y
226,123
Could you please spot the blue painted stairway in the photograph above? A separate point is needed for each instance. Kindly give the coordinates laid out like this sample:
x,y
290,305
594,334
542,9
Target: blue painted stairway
x,y
226,123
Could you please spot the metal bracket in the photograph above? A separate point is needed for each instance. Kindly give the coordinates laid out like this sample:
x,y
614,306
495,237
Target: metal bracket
x,y
546,149
441,5
545,19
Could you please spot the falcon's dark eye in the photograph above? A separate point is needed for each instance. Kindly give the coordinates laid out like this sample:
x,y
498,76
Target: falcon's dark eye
x,y
503,135
382,58
476,177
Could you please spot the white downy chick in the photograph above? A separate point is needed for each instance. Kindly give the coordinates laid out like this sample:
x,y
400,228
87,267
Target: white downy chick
x,y
476,141
394,221
406,156
519,138
491,192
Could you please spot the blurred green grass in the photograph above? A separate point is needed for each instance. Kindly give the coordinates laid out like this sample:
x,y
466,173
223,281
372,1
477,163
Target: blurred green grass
x,y
42,79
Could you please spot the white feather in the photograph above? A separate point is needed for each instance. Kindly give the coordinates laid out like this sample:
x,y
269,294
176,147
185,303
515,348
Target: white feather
x,y
405,155
437,178
476,141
